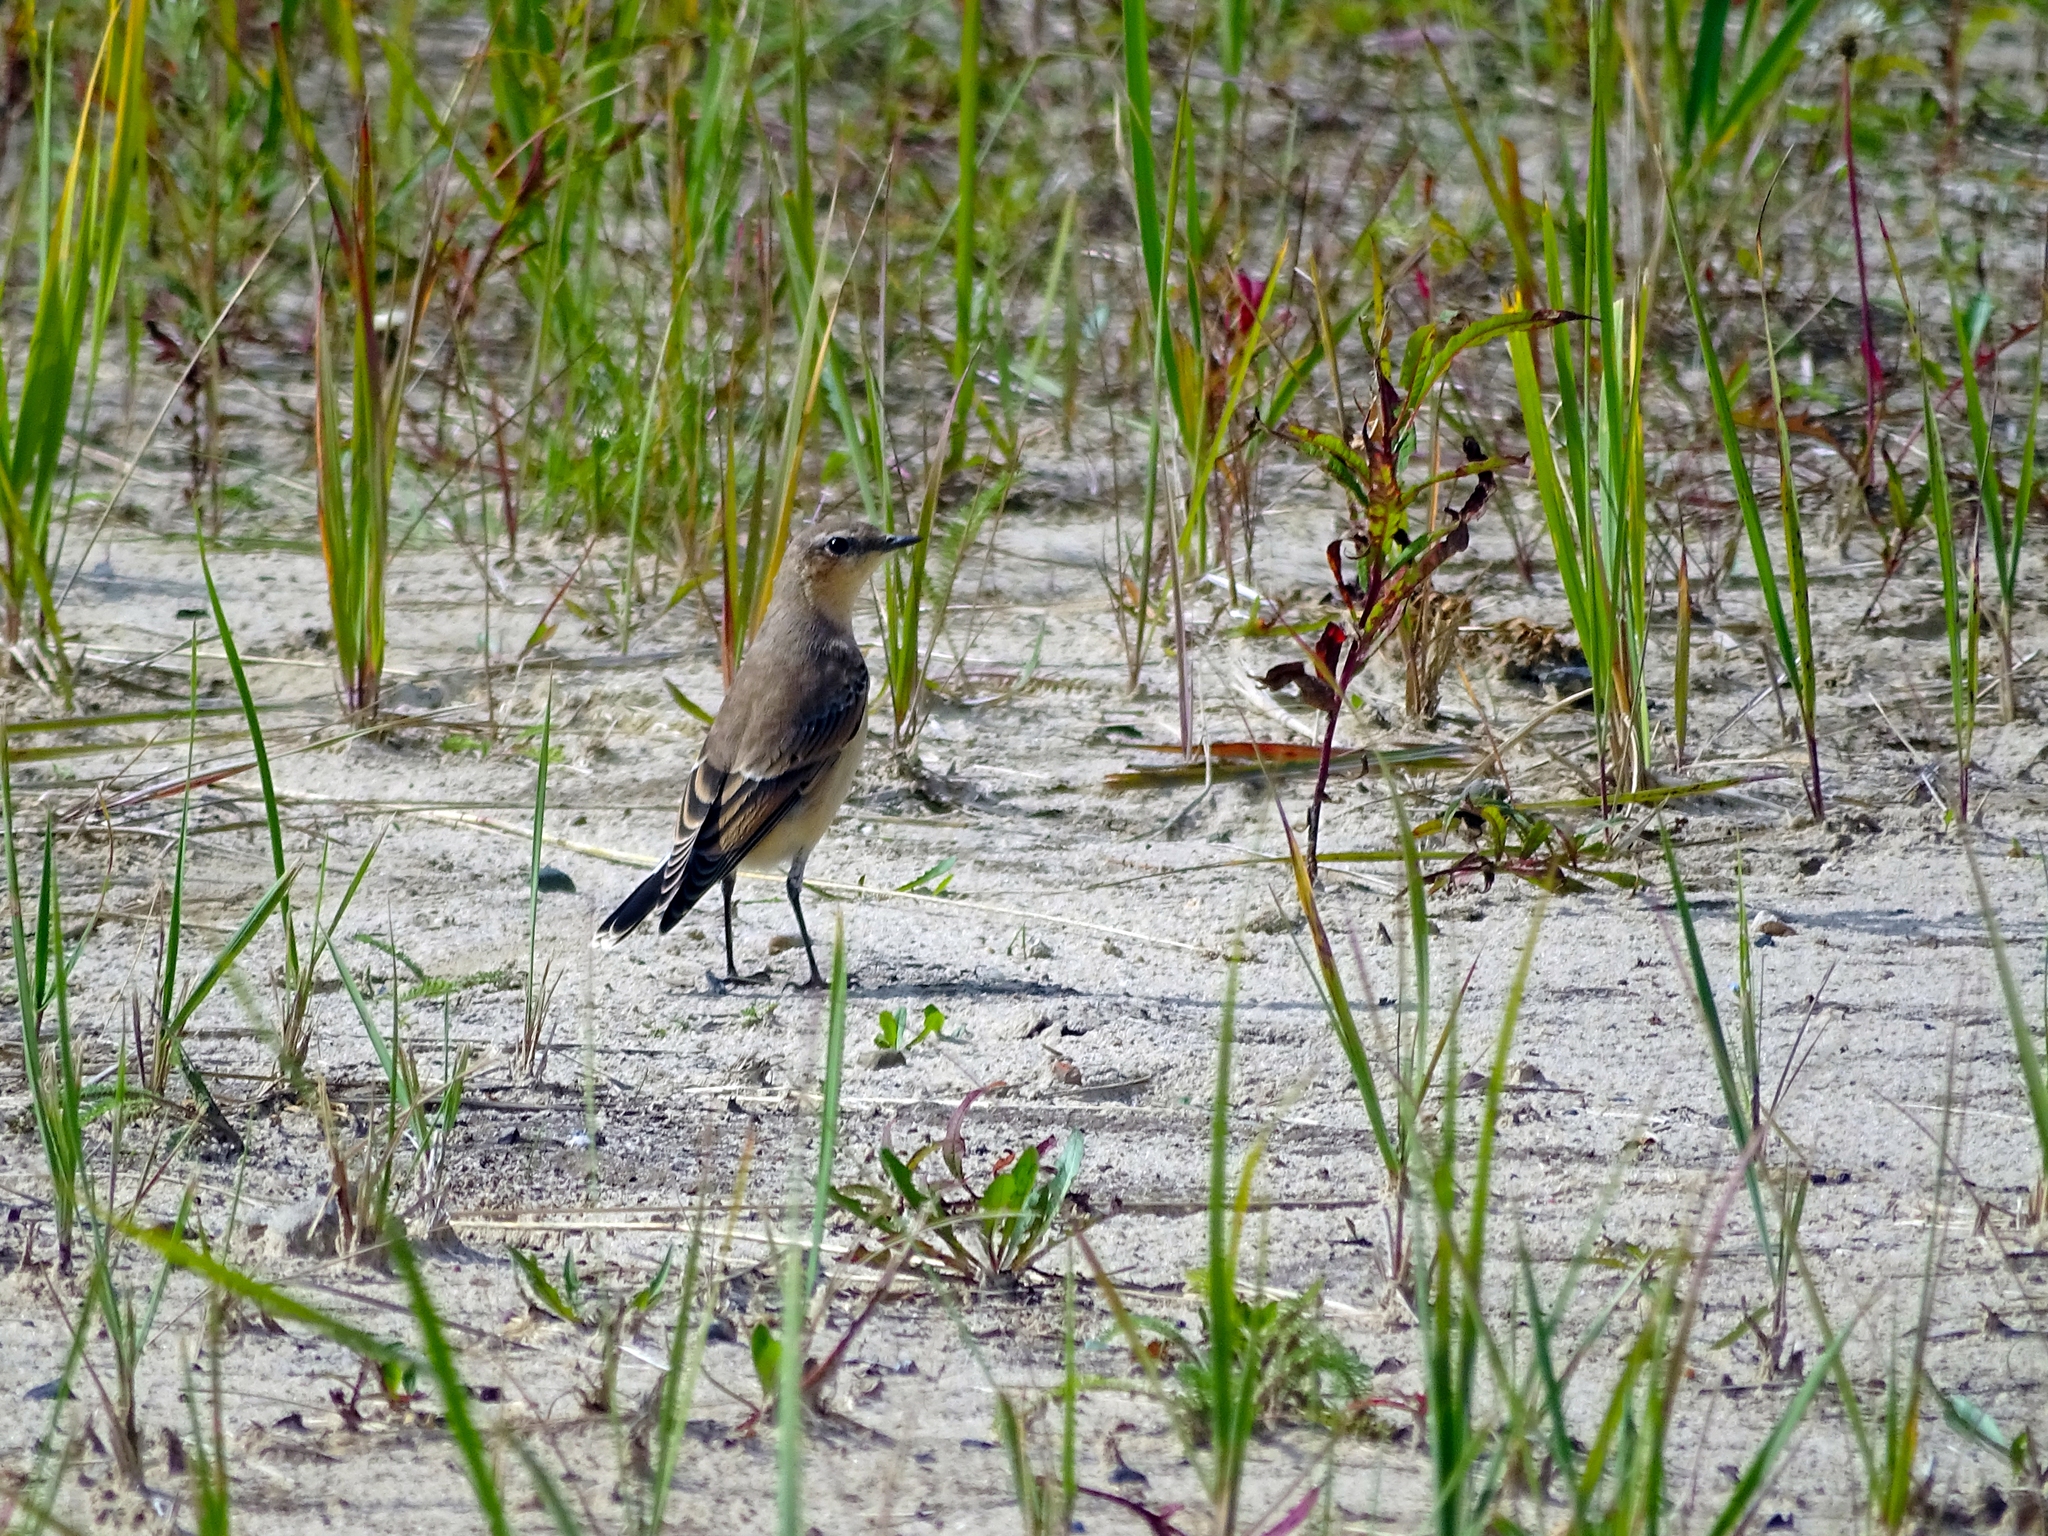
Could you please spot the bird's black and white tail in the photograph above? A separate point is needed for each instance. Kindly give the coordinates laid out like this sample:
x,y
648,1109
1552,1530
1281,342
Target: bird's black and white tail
x,y
635,909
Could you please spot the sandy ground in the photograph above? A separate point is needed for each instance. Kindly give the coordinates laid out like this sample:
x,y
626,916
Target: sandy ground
x,y
1078,954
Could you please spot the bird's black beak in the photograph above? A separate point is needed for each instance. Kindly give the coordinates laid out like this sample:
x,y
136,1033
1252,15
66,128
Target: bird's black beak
x,y
899,541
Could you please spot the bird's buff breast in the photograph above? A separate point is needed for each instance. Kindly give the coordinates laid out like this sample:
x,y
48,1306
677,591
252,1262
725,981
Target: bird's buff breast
x,y
800,831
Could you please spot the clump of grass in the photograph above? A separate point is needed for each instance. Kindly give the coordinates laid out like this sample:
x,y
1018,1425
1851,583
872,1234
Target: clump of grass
x,y
1046,1500
82,242
613,1316
965,222
1260,1361
1596,507
353,475
2008,525
172,1005
394,1174
1793,635
1257,1358
206,1451
126,1322
2033,1074
1958,589
42,977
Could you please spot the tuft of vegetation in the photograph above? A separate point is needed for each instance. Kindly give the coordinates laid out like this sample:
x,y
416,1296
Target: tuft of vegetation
x,y
988,1230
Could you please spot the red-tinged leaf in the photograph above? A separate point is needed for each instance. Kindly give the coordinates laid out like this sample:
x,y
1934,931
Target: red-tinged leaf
x,y
953,1147
1347,591
1329,649
1158,1521
1249,293
1309,688
1294,1518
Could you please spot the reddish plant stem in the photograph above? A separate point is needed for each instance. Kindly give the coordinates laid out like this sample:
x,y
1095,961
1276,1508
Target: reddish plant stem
x,y
1315,804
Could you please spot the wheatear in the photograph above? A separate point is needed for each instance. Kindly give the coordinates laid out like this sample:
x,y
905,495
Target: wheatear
x,y
782,753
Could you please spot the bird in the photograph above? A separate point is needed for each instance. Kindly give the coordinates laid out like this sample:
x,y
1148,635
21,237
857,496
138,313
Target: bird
x,y
783,749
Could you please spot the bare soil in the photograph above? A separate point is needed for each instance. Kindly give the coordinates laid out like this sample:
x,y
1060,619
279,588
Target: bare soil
x,y
1079,953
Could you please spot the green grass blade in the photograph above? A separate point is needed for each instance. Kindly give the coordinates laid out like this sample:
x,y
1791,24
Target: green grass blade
x,y
257,916
1496,1081
968,138
1805,674
1221,1390
1750,1485
548,1491
1336,1002
2023,493
440,1357
2033,1075
1958,612
1717,1039
1703,86
1780,56
540,813
252,717
678,1385
1738,464
1137,104
789,1401
268,1299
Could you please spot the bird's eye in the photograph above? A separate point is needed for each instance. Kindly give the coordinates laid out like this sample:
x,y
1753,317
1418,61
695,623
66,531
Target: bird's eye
x,y
839,544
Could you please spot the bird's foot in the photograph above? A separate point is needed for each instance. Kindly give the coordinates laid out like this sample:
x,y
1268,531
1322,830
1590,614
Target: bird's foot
x,y
731,979
817,983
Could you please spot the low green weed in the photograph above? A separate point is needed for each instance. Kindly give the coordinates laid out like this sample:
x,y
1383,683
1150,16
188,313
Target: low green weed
x,y
894,1030
614,1316
1297,1370
989,1235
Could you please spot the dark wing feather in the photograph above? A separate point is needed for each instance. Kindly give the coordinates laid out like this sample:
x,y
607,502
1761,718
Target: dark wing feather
x,y
729,824
635,909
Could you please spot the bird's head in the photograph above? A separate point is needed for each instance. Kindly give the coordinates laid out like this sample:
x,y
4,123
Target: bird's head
x,y
832,560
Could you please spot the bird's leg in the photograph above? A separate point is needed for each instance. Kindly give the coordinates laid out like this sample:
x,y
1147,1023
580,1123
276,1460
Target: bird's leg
x,y
732,978
732,972
796,903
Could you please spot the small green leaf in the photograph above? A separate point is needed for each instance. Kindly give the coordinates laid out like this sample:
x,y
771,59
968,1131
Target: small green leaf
x,y
767,1353
540,1290
688,705
932,882
650,1293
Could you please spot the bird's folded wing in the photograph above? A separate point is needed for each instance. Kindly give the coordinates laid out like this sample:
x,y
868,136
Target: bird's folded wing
x,y
749,781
